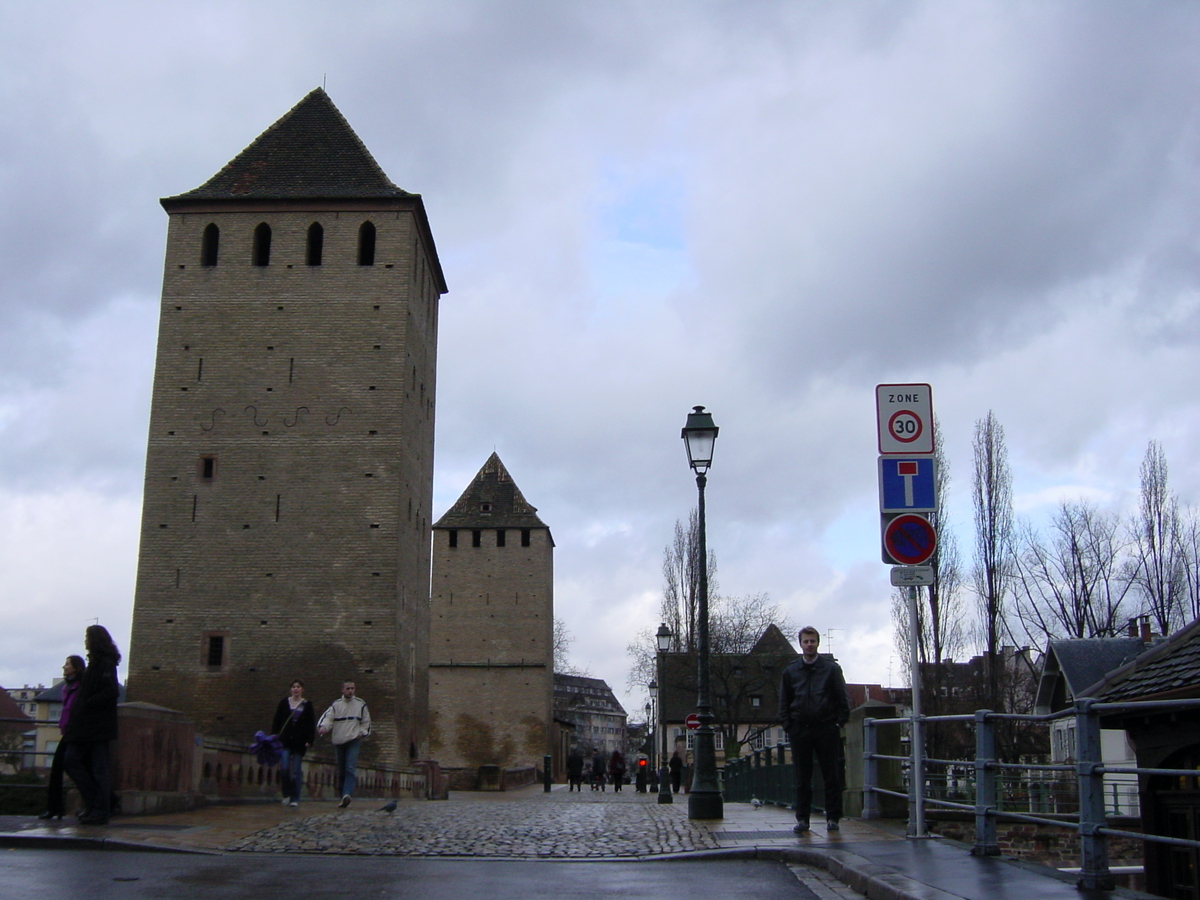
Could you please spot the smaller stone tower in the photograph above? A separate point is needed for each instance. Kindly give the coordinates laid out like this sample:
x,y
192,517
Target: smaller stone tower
x,y
491,678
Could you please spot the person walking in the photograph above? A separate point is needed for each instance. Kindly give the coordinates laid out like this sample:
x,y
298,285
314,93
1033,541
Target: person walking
x,y
92,726
598,771
575,770
616,770
295,726
349,722
72,671
675,764
814,706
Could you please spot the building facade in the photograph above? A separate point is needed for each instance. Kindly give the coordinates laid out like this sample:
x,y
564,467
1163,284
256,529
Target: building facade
x,y
491,629
591,706
286,514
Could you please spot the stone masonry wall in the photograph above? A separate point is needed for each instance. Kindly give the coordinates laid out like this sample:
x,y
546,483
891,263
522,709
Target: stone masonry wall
x,y
491,649
289,474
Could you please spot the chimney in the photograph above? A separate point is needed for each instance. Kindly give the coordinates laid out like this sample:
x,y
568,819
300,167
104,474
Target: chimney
x,y
1132,628
1146,636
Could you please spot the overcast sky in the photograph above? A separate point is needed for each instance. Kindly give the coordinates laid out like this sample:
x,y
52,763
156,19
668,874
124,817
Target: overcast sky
x,y
763,207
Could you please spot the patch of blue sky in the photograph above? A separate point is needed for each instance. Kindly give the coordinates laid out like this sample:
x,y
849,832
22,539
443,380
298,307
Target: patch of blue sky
x,y
639,247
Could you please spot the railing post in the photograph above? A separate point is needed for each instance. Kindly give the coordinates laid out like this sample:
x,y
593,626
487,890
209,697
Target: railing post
x,y
1094,873
986,843
870,800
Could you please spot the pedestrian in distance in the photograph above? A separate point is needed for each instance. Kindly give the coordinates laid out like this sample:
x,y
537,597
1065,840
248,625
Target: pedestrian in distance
x,y
348,721
72,672
598,772
676,766
295,726
616,770
92,726
574,770
814,705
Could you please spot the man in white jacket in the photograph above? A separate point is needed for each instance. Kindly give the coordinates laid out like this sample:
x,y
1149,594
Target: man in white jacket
x,y
348,719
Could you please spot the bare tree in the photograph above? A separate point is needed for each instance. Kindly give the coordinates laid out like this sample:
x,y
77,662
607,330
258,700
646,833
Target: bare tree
x,y
941,620
1189,557
681,583
992,500
563,639
1158,567
1070,583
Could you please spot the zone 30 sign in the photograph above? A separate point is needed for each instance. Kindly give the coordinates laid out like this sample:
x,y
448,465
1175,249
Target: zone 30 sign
x,y
905,414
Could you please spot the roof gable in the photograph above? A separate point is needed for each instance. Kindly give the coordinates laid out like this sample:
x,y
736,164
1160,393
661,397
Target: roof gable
x,y
310,153
491,500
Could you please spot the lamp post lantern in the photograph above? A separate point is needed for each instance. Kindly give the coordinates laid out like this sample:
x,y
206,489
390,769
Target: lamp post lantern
x,y
704,801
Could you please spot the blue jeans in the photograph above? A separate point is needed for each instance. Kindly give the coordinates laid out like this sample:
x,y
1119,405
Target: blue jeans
x,y
87,764
292,774
347,762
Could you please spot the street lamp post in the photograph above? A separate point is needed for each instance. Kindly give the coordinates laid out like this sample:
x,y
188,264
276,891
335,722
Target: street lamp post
x,y
663,636
704,801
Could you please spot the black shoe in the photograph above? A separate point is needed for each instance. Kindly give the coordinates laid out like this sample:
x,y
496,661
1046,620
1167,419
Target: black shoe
x,y
49,815
832,825
801,828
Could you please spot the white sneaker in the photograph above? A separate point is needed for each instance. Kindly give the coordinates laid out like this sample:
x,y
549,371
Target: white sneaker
x,y
285,801
293,803
345,801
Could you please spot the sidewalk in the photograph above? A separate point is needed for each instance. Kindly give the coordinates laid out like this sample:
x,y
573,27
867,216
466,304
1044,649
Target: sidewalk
x,y
532,824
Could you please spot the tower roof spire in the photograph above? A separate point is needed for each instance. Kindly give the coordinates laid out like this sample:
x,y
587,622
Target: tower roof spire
x,y
310,153
492,500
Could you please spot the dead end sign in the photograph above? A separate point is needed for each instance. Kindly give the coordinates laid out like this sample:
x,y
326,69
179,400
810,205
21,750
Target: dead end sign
x,y
908,539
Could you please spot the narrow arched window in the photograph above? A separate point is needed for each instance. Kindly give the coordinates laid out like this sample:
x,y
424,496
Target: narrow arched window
x,y
316,238
366,244
209,244
262,244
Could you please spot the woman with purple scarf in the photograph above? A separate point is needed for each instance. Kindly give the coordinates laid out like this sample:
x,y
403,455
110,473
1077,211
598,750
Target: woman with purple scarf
x,y
295,725
72,671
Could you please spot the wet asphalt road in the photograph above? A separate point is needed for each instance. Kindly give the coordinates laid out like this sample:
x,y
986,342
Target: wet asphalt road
x,y
99,875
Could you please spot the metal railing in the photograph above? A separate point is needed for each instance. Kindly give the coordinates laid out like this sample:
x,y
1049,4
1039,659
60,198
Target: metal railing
x,y
767,776
1090,817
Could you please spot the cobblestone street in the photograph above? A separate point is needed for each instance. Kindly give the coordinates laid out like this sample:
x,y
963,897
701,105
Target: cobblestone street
x,y
558,825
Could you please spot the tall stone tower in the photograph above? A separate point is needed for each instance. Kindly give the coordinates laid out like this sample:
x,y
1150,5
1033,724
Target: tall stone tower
x,y
285,524
491,651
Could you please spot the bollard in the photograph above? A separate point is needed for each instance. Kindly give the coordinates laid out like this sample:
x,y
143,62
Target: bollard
x,y
547,763
664,785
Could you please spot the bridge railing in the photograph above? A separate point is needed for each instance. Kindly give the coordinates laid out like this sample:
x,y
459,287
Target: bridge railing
x,y
990,798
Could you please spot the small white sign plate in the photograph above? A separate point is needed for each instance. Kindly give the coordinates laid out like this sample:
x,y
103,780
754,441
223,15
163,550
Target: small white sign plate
x,y
911,576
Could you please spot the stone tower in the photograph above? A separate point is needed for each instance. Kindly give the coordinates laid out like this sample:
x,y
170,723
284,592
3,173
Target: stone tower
x,y
285,524
491,629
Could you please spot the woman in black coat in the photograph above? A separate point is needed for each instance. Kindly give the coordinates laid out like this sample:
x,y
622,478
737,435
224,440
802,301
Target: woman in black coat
x,y
295,725
93,725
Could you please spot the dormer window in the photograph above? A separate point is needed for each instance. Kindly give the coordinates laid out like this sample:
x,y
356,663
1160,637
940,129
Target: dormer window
x,y
485,507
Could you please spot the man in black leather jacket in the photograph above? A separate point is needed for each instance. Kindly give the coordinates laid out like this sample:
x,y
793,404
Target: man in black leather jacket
x,y
814,706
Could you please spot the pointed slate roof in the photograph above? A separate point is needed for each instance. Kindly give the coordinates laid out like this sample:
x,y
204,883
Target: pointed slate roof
x,y
310,153
492,500
773,641
1071,666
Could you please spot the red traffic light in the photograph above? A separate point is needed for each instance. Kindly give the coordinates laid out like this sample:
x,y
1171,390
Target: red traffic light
x,y
641,763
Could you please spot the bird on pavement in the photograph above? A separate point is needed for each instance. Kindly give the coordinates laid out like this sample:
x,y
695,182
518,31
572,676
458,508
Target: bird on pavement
x,y
389,807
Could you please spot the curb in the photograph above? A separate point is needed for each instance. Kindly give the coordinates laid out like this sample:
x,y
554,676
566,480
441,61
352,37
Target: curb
x,y
74,842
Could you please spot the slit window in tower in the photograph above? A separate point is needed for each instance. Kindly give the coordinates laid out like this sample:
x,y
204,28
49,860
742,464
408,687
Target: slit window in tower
x,y
366,244
262,244
209,244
